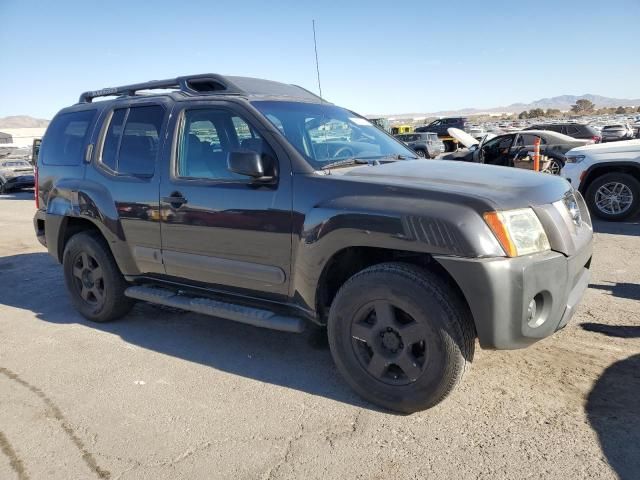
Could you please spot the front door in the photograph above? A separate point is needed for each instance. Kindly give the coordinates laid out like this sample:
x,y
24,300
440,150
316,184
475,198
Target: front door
x,y
219,227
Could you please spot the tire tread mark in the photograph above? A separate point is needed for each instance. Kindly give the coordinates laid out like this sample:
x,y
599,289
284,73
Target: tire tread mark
x,y
58,415
14,460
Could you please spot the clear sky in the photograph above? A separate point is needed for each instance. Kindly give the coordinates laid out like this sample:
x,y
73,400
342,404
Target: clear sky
x,y
375,56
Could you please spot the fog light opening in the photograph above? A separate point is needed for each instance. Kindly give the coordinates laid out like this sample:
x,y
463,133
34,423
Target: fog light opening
x,y
535,311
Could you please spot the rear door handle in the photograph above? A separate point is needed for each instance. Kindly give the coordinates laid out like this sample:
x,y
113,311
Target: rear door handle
x,y
176,200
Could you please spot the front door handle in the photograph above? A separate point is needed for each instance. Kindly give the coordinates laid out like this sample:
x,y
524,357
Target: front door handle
x,y
176,200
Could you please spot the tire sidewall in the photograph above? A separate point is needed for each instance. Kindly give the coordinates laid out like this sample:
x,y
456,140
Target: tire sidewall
x,y
84,242
426,309
628,180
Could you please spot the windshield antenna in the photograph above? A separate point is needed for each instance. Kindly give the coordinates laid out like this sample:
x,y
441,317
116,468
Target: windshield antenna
x,y
315,46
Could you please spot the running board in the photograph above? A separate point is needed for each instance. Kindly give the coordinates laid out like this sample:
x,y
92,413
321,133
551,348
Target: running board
x,y
214,308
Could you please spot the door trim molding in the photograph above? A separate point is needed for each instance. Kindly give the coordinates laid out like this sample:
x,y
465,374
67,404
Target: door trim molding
x,y
225,267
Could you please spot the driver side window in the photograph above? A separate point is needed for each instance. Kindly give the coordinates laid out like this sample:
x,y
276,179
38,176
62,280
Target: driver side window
x,y
206,139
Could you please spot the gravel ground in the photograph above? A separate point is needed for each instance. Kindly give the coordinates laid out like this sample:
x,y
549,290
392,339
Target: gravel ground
x,y
168,395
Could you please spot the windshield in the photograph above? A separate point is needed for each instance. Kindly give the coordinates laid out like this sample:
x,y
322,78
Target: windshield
x,y
324,134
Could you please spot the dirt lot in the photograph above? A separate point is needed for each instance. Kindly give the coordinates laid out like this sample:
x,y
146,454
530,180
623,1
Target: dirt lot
x,y
167,395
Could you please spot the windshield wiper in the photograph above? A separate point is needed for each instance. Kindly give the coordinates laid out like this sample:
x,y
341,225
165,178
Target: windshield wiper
x,y
395,156
344,163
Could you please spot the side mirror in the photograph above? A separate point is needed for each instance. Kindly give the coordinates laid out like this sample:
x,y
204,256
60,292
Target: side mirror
x,y
247,162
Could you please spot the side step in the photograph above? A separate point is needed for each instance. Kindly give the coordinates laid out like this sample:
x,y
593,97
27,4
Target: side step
x,y
229,311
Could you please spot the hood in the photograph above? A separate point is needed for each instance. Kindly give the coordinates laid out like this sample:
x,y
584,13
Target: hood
x,y
616,147
467,140
500,187
463,137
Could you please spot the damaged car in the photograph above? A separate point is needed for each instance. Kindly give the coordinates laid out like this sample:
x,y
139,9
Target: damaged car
x,y
516,149
15,174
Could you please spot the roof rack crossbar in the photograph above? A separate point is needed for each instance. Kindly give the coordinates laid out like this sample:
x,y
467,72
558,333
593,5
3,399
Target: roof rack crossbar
x,y
191,84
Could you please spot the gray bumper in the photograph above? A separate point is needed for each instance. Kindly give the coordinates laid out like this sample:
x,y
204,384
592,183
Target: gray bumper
x,y
499,291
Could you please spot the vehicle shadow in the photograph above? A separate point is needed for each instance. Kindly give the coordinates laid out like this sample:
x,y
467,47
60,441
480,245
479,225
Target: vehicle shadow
x,y
33,281
621,290
629,227
618,331
613,407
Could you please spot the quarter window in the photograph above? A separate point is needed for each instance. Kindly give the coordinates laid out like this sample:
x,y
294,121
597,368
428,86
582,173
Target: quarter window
x,y
66,137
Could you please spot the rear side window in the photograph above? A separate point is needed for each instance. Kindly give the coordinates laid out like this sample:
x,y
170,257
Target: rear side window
x,y
66,137
572,131
131,142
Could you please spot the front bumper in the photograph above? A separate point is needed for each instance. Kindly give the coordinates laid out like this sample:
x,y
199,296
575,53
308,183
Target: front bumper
x,y
499,291
572,173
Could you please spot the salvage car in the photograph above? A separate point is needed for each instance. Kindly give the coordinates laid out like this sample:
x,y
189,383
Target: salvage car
x,y
516,149
425,144
617,132
571,129
15,174
608,175
259,202
441,128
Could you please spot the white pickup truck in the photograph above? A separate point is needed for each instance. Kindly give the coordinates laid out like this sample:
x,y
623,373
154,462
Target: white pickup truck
x,y
608,175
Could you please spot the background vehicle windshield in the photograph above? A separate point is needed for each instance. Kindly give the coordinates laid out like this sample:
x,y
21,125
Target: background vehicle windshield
x,y
325,134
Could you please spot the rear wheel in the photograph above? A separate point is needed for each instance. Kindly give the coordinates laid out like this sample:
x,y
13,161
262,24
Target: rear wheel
x,y
553,166
93,279
400,336
614,196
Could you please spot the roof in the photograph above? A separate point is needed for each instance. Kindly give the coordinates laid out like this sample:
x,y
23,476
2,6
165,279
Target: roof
x,y
209,84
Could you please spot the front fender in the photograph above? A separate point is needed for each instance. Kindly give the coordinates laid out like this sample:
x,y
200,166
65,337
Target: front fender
x,y
395,223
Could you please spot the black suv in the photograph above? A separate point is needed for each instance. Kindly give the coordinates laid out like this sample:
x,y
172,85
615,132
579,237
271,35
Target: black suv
x,y
575,130
442,126
261,203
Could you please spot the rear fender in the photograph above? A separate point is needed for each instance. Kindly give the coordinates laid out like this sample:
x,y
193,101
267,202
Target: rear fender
x,y
90,202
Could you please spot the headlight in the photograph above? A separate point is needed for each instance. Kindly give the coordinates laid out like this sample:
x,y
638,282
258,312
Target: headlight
x,y
574,158
518,231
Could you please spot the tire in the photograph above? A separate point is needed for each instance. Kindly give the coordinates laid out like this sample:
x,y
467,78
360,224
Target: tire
x,y
380,309
92,277
555,166
624,188
421,153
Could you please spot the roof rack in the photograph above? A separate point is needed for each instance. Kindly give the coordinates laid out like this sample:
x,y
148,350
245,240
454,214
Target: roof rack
x,y
208,83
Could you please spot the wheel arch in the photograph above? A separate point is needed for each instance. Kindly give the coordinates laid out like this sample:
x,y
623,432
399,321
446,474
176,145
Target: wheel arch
x,y
599,169
350,260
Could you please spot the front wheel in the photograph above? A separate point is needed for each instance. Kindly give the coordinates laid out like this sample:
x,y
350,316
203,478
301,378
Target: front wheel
x,y
421,153
93,279
400,336
614,196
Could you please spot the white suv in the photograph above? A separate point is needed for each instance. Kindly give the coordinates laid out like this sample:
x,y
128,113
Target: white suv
x,y
608,175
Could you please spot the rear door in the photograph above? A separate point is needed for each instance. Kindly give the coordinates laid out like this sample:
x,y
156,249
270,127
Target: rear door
x,y
218,227
126,156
